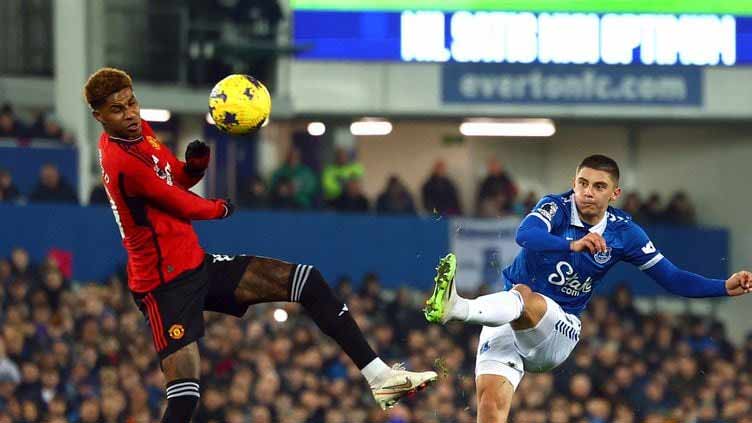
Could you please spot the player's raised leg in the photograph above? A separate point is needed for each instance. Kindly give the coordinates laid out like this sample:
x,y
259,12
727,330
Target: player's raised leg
x,y
499,366
268,280
519,306
181,371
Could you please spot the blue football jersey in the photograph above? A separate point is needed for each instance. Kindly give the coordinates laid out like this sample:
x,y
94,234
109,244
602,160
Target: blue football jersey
x,y
568,277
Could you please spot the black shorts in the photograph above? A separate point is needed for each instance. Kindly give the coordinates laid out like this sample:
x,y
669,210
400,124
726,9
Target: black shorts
x,y
174,310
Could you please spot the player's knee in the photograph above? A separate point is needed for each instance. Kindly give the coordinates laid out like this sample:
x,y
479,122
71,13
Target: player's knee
x,y
525,292
307,284
533,301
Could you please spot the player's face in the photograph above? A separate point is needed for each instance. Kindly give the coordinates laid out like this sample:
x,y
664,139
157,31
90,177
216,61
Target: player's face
x,y
593,191
120,115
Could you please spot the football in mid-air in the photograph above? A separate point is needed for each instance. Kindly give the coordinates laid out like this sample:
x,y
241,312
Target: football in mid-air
x,y
239,104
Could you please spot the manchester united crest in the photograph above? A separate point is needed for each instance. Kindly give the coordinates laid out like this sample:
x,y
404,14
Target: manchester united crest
x,y
153,141
176,331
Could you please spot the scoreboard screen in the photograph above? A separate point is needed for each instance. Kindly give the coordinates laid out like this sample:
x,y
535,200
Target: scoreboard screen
x,y
604,32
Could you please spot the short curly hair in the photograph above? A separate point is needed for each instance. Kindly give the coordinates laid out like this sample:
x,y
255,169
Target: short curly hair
x,y
104,82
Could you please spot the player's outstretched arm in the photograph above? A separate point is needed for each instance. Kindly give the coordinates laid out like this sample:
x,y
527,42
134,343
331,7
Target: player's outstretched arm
x,y
692,285
641,252
142,181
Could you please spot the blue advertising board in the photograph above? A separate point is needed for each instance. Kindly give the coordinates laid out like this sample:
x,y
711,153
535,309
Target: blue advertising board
x,y
570,84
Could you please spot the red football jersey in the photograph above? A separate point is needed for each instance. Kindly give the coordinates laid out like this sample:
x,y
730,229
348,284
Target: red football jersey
x,y
148,190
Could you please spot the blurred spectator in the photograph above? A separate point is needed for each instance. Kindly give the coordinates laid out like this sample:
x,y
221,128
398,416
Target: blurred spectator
x,y
651,210
283,195
9,125
98,195
335,175
680,210
439,192
497,188
632,204
8,191
254,195
47,125
352,198
10,375
526,205
491,206
52,188
300,176
20,264
395,199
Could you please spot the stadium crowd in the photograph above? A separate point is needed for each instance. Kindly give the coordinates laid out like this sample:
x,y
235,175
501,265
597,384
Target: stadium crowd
x,y
43,125
296,187
332,185
73,352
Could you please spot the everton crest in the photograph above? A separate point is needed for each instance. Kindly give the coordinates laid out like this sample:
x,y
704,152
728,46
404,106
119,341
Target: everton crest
x,y
603,257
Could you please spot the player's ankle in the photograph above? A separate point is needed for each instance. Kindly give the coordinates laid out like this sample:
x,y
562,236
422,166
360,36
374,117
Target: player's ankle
x,y
375,371
460,310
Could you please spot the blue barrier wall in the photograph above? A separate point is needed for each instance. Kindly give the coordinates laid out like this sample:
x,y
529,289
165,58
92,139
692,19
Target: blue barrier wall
x,y
24,163
400,249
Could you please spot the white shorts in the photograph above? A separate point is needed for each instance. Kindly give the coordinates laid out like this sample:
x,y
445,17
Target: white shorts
x,y
506,352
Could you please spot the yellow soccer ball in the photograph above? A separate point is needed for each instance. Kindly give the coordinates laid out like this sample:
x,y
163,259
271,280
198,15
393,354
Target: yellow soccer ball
x,y
239,104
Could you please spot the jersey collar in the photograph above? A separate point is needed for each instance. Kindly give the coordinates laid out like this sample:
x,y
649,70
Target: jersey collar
x,y
575,220
125,141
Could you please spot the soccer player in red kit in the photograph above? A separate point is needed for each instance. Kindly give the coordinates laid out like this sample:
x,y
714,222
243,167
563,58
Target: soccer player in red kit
x,y
170,276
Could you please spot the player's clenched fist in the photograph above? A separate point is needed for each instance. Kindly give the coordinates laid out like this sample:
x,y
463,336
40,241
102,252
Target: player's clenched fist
x,y
592,242
739,283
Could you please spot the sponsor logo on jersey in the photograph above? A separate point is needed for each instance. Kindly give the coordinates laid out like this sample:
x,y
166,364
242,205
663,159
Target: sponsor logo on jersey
x,y
165,174
649,248
548,210
485,347
603,257
176,331
221,257
569,280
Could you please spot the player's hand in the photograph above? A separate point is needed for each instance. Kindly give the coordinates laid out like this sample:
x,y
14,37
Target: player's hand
x,y
739,283
197,156
229,208
592,242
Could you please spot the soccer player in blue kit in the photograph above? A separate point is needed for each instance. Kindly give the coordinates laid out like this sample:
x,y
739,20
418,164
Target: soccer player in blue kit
x,y
569,241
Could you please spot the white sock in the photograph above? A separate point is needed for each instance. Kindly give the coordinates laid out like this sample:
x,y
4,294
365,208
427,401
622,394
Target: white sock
x,y
495,309
373,370
460,309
